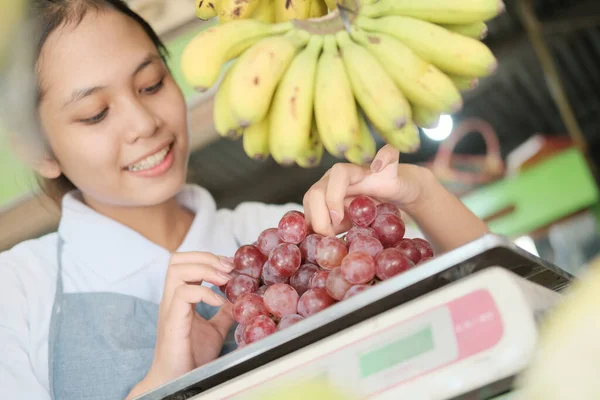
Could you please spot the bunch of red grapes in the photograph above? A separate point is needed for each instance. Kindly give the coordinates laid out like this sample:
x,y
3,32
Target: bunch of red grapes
x,y
289,274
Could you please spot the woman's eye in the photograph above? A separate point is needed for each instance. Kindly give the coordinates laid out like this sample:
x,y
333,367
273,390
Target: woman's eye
x,y
155,88
96,118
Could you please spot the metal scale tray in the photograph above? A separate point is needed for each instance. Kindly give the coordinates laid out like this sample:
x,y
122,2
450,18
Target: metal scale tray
x,y
487,251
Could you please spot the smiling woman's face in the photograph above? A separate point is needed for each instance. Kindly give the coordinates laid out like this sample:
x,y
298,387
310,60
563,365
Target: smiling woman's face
x,y
114,118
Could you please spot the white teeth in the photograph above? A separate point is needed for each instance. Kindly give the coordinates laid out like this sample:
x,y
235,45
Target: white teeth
x,y
150,161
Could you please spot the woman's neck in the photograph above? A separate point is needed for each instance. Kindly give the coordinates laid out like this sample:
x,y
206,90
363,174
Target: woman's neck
x,y
165,224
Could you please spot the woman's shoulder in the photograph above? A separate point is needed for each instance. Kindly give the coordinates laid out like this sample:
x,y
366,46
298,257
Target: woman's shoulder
x,y
32,262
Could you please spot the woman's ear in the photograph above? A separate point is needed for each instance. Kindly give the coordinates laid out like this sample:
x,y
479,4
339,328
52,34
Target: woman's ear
x,y
48,167
37,156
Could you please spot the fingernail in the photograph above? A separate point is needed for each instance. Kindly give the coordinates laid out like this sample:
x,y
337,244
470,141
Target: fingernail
x,y
224,275
335,216
376,166
227,263
219,299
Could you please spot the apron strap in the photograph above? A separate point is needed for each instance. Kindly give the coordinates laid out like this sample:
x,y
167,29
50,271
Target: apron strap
x,y
55,319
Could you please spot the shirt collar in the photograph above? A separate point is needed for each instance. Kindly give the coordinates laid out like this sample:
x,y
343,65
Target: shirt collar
x,y
114,250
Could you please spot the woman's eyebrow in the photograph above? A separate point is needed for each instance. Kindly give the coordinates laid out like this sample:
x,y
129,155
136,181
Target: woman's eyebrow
x,y
80,94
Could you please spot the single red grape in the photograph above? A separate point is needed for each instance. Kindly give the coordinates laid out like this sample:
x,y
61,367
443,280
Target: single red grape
x,y
285,259
424,247
388,208
358,268
389,228
239,286
366,244
336,285
301,279
319,279
258,328
281,299
268,240
248,260
356,231
289,320
314,301
270,277
330,252
362,211
356,289
308,247
409,249
391,262
292,227
247,307
239,334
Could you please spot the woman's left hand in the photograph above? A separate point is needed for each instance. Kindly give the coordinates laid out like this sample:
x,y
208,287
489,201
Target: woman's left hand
x,y
385,181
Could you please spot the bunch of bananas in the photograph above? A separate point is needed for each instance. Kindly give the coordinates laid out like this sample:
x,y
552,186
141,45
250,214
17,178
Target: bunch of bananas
x,y
294,89
268,11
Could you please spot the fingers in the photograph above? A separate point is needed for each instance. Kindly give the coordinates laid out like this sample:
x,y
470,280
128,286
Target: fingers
x,y
195,257
384,157
341,177
316,211
183,303
223,319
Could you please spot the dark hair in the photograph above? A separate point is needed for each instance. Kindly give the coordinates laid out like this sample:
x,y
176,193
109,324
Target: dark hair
x,y
49,15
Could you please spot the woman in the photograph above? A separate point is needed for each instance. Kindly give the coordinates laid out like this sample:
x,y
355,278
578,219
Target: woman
x,y
105,307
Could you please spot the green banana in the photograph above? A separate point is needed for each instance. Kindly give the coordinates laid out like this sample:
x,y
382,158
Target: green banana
x,y
464,82
363,152
336,115
425,118
204,56
257,72
311,155
475,30
292,106
449,51
206,9
421,82
376,92
225,123
406,140
256,140
438,11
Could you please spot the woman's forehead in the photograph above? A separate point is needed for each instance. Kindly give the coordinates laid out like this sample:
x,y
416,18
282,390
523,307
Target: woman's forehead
x,y
104,47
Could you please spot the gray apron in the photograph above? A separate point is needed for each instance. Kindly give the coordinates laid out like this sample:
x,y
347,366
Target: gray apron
x,y
102,344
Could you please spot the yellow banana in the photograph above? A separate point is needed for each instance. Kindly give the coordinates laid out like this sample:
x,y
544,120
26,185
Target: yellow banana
x,y
375,91
331,4
464,82
438,11
231,10
205,54
257,73
364,150
335,109
291,111
318,8
476,30
406,140
425,118
206,9
265,11
225,123
449,51
311,155
287,10
256,140
421,82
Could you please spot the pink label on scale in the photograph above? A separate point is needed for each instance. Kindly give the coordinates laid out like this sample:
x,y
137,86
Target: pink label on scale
x,y
477,323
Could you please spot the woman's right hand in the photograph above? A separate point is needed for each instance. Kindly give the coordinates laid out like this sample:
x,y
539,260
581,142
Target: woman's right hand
x,y
184,339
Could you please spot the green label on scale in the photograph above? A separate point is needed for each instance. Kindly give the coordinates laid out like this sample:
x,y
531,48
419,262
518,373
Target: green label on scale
x,y
397,352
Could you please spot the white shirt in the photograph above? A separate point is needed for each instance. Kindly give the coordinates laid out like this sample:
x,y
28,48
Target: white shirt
x,y
101,255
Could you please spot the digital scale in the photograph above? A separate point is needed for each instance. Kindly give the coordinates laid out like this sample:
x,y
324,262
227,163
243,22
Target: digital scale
x,y
460,326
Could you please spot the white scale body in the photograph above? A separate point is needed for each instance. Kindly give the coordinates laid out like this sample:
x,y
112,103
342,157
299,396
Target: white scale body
x,y
462,337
